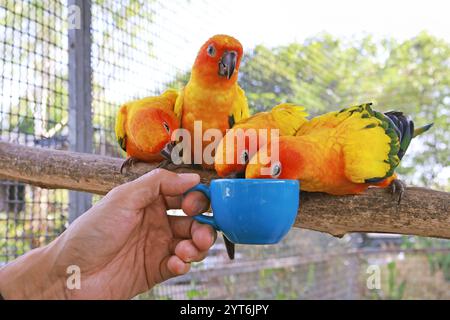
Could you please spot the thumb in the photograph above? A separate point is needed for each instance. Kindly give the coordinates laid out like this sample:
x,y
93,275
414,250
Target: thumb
x,y
147,188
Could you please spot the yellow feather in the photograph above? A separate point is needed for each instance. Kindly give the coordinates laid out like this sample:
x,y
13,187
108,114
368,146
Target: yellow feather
x,y
178,109
365,152
364,142
240,109
289,118
119,128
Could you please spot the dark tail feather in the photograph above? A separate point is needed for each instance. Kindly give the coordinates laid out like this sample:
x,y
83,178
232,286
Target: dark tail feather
x,y
422,129
398,125
404,128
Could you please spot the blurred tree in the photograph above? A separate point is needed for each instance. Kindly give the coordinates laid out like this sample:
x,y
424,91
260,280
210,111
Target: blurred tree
x,y
416,78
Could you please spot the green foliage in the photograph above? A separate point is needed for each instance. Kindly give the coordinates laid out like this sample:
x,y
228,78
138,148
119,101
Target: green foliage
x,y
395,291
274,282
180,80
194,292
311,276
11,232
438,261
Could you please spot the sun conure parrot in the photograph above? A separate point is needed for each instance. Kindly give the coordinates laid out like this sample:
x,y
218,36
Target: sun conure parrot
x,y
144,127
342,152
212,94
286,117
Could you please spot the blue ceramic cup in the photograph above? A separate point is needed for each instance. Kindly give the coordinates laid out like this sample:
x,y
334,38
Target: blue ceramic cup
x,y
251,211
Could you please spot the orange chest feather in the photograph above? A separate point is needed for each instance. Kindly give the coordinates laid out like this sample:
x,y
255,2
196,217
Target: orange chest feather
x,y
212,107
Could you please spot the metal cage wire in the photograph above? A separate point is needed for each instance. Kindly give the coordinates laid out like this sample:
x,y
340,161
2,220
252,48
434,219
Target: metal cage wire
x,y
138,48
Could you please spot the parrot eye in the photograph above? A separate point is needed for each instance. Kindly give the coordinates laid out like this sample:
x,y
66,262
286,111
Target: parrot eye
x,y
166,126
211,50
244,157
275,170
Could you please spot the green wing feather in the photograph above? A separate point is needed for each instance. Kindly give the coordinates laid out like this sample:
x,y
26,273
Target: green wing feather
x,y
400,130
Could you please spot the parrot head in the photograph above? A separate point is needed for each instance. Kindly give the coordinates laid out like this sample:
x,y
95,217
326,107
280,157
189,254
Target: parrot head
x,y
235,150
162,124
218,60
287,165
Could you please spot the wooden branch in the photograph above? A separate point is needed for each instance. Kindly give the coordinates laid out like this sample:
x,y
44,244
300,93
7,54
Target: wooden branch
x,y
423,212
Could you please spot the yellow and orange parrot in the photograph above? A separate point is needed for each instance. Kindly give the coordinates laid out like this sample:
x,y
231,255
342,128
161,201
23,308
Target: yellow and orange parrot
x,y
231,159
144,127
212,94
342,152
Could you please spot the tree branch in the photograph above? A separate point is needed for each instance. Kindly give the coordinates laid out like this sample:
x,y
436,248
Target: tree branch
x,y
423,212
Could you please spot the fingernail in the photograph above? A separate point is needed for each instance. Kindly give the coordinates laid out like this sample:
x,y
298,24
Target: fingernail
x,y
199,206
188,177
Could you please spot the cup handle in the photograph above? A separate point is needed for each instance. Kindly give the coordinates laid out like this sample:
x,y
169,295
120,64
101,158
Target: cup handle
x,y
202,218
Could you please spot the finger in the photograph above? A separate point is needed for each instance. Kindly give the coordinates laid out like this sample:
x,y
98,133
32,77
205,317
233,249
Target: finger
x,y
195,203
141,192
173,266
203,236
181,226
174,202
188,252
173,244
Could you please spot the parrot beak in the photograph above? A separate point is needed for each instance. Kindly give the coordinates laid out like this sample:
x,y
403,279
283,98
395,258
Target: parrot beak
x,y
227,64
167,151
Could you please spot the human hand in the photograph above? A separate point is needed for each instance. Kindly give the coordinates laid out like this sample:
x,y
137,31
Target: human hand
x,y
126,243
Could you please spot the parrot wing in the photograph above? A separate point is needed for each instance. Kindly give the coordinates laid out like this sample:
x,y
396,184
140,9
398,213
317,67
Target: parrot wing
x,y
401,131
178,108
375,142
120,130
369,144
240,110
289,118
329,120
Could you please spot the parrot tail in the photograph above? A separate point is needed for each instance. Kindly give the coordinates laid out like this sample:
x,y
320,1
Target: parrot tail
x,y
422,129
404,128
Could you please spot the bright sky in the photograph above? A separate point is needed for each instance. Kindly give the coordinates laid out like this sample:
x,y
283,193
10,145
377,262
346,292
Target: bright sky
x,y
284,21
278,22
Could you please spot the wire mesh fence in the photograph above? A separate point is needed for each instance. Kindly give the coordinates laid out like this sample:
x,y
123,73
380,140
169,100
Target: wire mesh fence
x,y
141,47
138,47
33,111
